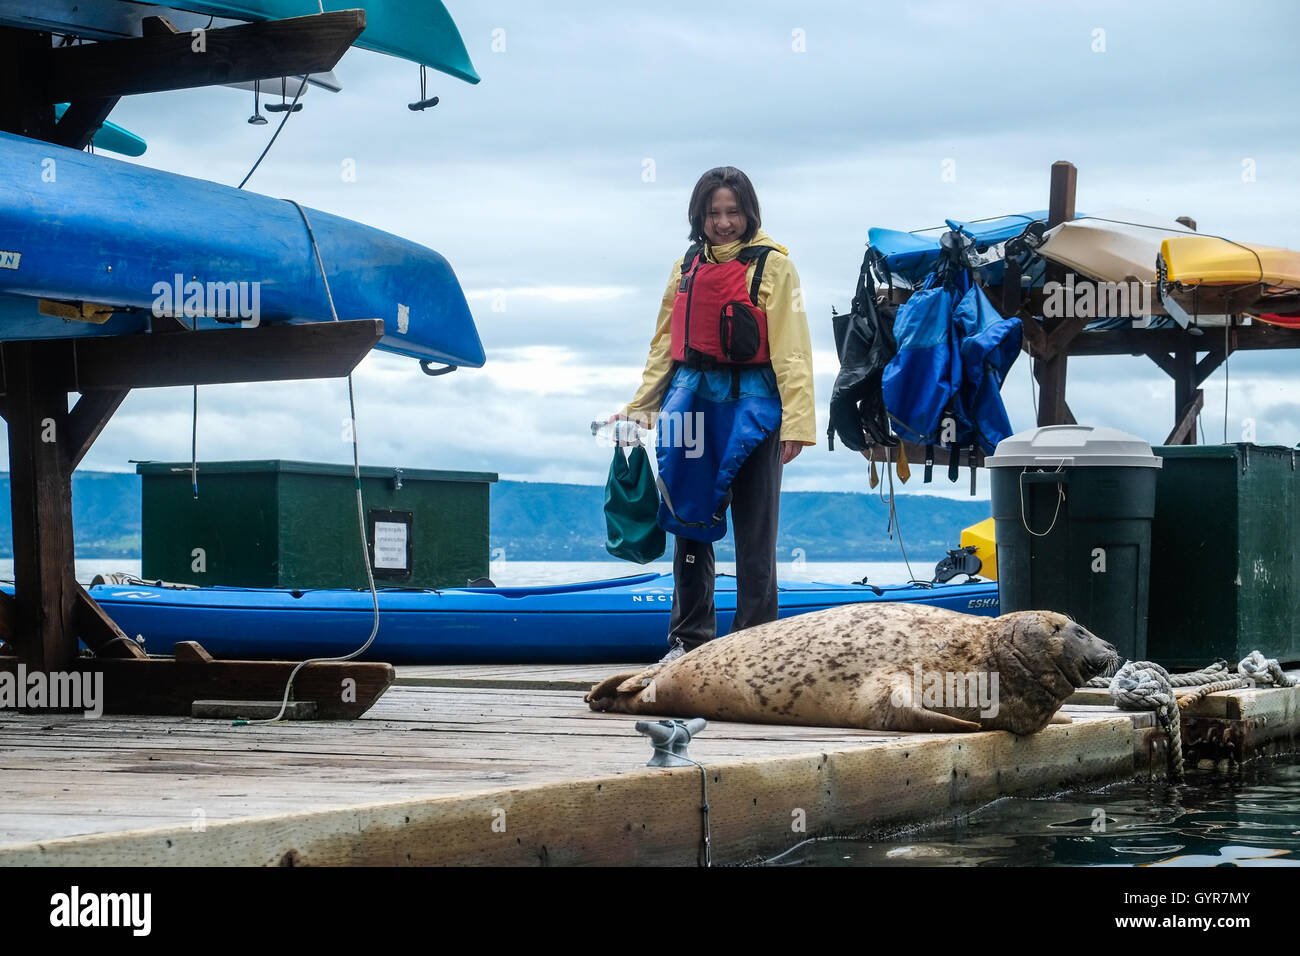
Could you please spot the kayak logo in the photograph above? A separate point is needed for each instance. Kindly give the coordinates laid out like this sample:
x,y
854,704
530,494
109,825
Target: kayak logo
x,y
75,908
940,690
58,690
10,260
223,301
1088,299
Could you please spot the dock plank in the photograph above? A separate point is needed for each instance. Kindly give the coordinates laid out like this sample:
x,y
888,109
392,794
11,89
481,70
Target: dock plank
x,y
422,777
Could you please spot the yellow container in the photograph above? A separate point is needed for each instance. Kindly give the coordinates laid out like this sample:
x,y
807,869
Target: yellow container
x,y
981,535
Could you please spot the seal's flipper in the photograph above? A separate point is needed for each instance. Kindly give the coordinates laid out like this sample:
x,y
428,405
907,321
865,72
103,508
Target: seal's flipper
x,y
1060,718
608,689
929,721
903,714
639,680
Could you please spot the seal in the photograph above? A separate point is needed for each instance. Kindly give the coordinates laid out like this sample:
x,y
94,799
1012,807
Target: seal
x,y
901,667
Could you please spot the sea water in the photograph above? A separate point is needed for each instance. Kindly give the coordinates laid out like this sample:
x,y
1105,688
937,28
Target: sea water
x,y
1250,818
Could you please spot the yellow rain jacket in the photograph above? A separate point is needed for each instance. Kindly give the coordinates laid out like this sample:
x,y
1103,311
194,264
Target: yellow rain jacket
x,y
781,297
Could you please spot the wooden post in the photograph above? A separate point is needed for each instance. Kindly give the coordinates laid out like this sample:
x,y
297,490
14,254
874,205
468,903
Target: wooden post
x,y
1185,390
40,488
1051,371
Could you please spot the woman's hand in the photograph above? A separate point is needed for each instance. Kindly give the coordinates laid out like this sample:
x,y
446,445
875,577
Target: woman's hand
x,y
790,451
622,443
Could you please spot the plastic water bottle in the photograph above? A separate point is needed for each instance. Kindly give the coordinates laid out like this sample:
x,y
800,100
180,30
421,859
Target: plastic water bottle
x,y
620,432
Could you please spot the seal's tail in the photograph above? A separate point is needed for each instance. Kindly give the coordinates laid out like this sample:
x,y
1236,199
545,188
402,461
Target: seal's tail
x,y
608,692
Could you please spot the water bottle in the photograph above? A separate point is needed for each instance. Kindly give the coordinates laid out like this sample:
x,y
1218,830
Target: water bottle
x,y
620,432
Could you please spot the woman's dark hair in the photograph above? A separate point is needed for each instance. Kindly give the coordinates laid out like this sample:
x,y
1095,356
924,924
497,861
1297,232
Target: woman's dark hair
x,y
733,179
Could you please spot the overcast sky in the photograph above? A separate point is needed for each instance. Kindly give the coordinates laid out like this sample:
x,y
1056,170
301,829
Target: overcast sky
x,y
843,114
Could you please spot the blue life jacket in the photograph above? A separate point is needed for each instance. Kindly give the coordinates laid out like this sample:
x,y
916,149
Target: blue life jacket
x,y
954,350
709,423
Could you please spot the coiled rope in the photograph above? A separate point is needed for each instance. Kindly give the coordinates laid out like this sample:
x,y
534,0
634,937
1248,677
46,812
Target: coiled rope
x,y
1145,685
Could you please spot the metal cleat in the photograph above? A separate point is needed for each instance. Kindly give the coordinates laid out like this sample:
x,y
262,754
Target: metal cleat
x,y
670,738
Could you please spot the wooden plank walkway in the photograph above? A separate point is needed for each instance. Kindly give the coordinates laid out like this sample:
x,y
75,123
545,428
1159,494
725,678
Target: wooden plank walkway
x,y
496,765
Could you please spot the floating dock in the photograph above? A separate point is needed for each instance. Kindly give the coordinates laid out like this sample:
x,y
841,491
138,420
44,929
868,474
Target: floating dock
x,y
506,765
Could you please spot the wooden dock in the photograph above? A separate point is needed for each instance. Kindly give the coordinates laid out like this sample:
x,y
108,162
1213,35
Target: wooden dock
x,y
506,765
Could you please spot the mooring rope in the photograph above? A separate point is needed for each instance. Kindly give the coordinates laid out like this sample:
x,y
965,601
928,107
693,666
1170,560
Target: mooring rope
x,y
1145,685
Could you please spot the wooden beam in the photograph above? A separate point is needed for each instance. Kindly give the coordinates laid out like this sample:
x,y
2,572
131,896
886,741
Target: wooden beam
x,y
82,120
1166,362
1052,366
273,352
159,685
41,505
7,612
99,632
1256,336
1206,366
87,419
1184,432
165,61
25,108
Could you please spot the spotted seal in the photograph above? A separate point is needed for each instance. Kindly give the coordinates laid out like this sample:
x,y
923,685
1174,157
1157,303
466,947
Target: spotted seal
x,y
873,666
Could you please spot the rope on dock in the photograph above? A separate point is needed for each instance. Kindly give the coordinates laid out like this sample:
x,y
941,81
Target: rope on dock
x,y
1145,685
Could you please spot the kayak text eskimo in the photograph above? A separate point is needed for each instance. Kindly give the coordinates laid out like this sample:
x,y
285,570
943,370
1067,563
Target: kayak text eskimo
x,y
57,690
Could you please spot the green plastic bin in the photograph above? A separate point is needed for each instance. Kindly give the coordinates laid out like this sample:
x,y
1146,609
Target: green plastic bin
x,y
294,524
1226,577
1072,511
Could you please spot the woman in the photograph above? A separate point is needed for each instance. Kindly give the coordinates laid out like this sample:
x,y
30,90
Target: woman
x,y
731,358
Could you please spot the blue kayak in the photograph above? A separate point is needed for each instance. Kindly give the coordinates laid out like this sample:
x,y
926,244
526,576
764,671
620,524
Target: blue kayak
x,y
620,620
86,228
912,255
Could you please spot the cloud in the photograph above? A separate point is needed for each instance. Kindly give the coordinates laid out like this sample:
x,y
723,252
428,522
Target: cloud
x,y
557,189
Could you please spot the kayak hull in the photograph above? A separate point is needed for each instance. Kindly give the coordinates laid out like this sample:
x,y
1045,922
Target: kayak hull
x,y
622,620
1208,260
83,227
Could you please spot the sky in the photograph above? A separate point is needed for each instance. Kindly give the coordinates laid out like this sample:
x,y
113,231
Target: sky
x,y
557,189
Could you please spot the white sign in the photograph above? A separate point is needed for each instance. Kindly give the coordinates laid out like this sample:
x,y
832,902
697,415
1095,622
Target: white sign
x,y
390,545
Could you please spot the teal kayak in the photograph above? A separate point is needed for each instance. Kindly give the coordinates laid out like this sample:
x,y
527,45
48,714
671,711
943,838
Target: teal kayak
x,y
421,31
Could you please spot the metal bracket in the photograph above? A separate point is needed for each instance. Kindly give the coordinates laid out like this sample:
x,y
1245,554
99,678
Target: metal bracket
x,y
670,738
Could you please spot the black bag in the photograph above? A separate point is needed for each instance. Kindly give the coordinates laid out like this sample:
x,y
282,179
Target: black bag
x,y
864,339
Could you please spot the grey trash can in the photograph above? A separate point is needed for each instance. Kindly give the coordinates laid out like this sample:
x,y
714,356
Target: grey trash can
x,y
1072,510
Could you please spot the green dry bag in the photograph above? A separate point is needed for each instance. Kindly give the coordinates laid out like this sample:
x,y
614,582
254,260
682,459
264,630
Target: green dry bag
x,y
632,507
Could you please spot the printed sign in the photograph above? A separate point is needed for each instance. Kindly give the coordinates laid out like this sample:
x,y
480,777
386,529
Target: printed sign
x,y
390,545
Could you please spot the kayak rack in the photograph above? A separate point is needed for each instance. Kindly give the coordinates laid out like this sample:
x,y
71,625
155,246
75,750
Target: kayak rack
x,y
50,615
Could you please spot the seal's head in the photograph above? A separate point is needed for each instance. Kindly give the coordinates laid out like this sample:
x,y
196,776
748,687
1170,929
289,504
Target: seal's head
x,y
1042,657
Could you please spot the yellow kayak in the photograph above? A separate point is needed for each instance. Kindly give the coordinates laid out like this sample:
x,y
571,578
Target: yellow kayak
x,y
1206,260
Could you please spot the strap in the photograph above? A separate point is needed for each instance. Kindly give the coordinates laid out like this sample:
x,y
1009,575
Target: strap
x,y
929,464
954,462
758,255
866,288
688,260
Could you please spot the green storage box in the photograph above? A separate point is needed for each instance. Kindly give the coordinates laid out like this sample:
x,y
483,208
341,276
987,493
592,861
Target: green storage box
x,y
1226,575
294,524
1072,510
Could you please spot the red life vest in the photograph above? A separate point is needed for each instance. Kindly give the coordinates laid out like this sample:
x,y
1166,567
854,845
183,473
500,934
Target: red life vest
x,y
716,319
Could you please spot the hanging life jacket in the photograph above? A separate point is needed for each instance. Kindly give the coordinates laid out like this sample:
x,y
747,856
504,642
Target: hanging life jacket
x,y
954,351
865,342
716,320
